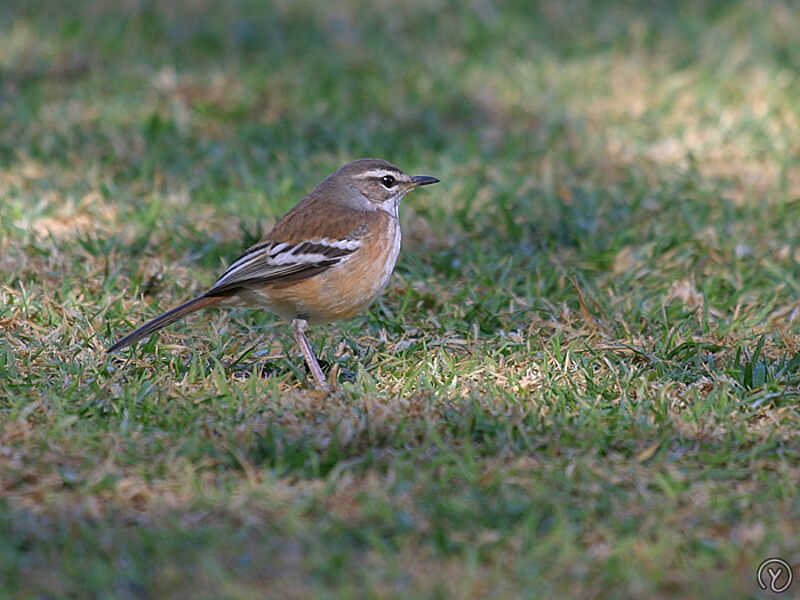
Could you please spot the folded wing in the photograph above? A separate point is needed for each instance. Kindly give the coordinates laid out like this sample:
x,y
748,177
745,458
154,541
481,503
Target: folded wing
x,y
281,262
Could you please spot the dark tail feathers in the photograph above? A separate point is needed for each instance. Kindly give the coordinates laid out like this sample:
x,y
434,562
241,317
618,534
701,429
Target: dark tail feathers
x,y
167,318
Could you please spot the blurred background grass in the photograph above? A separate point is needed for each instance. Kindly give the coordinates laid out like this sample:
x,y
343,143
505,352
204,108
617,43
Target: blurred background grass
x,y
582,381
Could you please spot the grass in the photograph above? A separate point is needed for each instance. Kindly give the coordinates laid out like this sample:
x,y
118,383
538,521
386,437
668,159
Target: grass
x,y
581,382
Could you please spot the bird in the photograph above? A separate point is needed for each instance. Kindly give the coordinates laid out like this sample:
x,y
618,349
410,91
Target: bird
x,y
325,260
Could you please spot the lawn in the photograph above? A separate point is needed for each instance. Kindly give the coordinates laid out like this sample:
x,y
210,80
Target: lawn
x,y
581,382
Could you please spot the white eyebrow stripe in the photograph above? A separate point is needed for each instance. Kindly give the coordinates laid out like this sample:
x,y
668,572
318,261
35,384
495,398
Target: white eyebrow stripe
x,y
379,173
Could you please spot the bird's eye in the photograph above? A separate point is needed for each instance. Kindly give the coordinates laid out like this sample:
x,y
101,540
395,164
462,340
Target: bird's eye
x,y
388,181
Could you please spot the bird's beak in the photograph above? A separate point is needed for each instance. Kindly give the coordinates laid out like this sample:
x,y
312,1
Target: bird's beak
x,y
418,180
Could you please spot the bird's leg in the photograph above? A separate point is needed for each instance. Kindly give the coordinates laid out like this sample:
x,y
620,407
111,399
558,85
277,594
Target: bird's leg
x,y
299,329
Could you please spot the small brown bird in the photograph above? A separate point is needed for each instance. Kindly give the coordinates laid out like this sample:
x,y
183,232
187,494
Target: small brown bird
x,y
325,260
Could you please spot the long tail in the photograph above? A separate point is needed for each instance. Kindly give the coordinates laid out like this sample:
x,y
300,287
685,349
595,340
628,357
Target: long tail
x,y
167,318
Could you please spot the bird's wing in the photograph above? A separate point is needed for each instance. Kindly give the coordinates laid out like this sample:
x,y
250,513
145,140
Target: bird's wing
x,y
283,262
